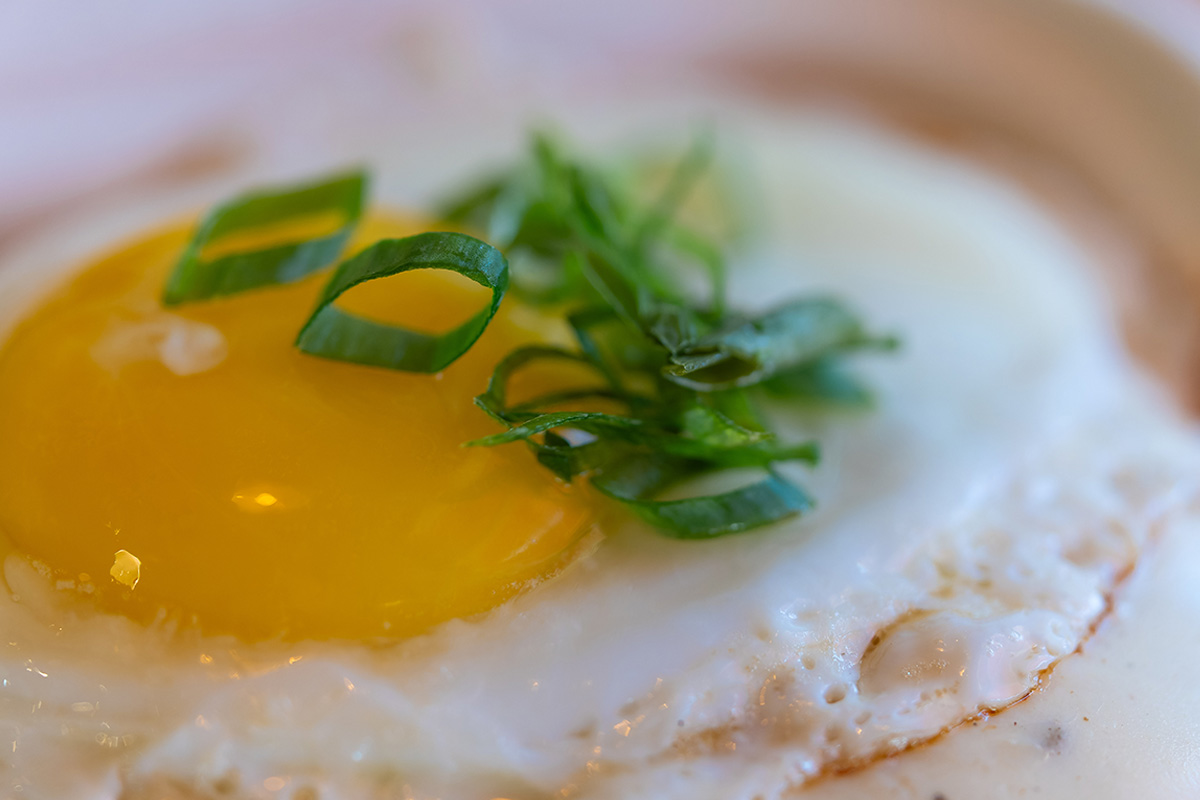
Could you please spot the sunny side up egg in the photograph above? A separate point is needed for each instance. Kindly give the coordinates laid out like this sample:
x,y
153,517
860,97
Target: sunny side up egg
x,y
970,533
205,464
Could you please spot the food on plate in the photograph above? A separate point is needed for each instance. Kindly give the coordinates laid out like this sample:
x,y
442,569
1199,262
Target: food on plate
x,y
209,462
455,517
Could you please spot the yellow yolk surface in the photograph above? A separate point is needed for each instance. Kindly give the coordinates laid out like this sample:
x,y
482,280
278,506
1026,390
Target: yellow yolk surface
x,y
192,459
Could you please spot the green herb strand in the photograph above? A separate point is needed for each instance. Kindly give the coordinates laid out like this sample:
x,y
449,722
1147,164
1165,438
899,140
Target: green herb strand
x,y
636,481
749,352
333,333
196,278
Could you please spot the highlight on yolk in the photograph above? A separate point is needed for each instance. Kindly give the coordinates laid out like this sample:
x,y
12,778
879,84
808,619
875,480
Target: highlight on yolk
x,y
192,459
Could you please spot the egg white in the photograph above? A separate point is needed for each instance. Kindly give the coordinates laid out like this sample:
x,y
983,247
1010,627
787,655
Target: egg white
x,y
970,533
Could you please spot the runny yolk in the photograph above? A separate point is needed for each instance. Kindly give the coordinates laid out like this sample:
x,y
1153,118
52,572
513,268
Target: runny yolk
x,y
191,459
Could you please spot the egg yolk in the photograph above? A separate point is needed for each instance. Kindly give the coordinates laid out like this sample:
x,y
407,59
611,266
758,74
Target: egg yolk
x,y
191,460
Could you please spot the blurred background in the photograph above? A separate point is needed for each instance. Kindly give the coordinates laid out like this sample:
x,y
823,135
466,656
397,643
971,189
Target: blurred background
x,y
90,93
100,103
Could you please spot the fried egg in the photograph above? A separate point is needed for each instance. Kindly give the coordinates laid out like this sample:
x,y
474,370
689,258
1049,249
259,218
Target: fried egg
x,y
207,459
236,571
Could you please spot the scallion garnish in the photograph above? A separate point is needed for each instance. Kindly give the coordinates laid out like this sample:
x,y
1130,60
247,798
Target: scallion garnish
x,y
333,333
676,378
632,480
198,278
687,371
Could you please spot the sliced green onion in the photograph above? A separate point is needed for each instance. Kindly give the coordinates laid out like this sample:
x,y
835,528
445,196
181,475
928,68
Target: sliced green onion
x,y
336,334
753,350
636,481
825,382
686,372
495,400
718,450
196,278
660,222
583,420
